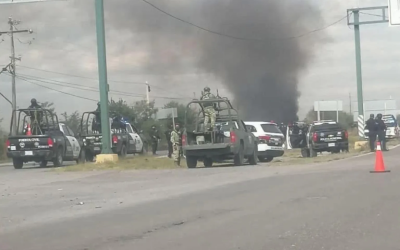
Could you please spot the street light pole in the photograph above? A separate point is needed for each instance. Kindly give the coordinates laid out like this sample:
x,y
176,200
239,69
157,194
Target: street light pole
x,y
103,84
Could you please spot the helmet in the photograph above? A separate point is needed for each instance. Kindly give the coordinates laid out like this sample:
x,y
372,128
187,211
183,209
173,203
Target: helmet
x,y
206,89
33,100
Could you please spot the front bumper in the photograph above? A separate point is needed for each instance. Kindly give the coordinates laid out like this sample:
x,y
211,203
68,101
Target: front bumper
x,y
31,155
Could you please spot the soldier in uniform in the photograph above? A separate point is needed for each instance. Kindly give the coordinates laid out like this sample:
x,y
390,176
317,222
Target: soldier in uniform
x,y
176,140
209,111
154,139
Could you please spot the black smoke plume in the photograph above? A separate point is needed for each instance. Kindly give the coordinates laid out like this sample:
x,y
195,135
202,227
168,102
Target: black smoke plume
x,y
262,69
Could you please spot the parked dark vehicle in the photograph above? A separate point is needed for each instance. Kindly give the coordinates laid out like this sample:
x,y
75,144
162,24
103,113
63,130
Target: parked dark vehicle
x,y
229,140
41,138
122,142
323,136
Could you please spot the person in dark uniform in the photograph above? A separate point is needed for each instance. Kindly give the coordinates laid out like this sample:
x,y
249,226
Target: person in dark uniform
x,y
168,138
154,139
372,126
381,132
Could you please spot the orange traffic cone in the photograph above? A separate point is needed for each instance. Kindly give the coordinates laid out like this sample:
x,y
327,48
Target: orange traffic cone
x,y
379,165
28,129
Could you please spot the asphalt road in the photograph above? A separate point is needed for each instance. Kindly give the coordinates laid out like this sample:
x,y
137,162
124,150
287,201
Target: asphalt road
x,y
332,206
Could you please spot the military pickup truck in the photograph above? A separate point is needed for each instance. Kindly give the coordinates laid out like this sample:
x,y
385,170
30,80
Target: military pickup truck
x,y
320,136
124,137
228,140
41,138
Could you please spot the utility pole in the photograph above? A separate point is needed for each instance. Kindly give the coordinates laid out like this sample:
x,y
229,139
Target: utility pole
x,y
11,66
356,23
148,93
103,84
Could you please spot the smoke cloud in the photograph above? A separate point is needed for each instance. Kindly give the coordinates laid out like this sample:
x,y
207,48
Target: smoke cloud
x,y
262,70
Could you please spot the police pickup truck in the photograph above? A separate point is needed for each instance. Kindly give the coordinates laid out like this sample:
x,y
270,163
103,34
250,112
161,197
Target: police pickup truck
x,y
41,142
124,137
320,136
228,140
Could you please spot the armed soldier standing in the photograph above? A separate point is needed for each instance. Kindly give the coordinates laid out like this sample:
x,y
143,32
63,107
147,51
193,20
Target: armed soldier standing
x,y
176,140
372,127
209,110
154,139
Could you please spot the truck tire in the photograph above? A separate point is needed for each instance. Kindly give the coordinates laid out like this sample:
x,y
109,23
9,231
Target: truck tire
x,y
265,158
82,157
18,163
208,162
305,152
253,159
191,161
239,157
89,156
123,151
313,153
43,164
58,160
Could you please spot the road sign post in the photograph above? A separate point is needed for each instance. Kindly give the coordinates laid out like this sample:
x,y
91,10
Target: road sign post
x,y
356,23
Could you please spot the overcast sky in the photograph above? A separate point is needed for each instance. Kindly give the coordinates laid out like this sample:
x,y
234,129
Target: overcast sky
x,y
64,41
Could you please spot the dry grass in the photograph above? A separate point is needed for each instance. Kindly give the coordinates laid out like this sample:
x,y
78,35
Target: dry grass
x,y
138,162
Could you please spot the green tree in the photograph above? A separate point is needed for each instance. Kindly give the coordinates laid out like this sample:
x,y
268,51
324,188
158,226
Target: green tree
x,y
122,108
181,108
73,121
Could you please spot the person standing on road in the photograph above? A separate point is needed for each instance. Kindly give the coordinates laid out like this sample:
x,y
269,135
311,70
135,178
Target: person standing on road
x,y
168,137
176,140
381,132
209,110
372,126
154,139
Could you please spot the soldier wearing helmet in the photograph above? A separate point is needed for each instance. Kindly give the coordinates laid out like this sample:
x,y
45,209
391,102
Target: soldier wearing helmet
x,y
209,110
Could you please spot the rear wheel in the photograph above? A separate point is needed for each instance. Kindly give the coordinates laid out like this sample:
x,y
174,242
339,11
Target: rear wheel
x,y
58,160
239,157
208,162
253,159
305,152
89,156
82,157
18,163
191,162
43,164
313,153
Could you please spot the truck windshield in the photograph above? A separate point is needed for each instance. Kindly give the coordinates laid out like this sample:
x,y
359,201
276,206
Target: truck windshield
x,y
271,128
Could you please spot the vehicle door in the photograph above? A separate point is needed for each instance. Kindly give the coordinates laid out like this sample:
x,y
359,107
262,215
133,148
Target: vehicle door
x,y
69,152
308,136
248,138
76,148
138,140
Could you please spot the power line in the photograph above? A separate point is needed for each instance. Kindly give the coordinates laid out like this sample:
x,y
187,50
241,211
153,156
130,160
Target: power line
x,y
77,76
236,37
62,92
86,88
124,82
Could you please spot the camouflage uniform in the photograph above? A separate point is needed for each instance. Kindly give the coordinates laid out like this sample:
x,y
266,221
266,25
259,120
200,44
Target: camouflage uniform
x,y
176,141
209,111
